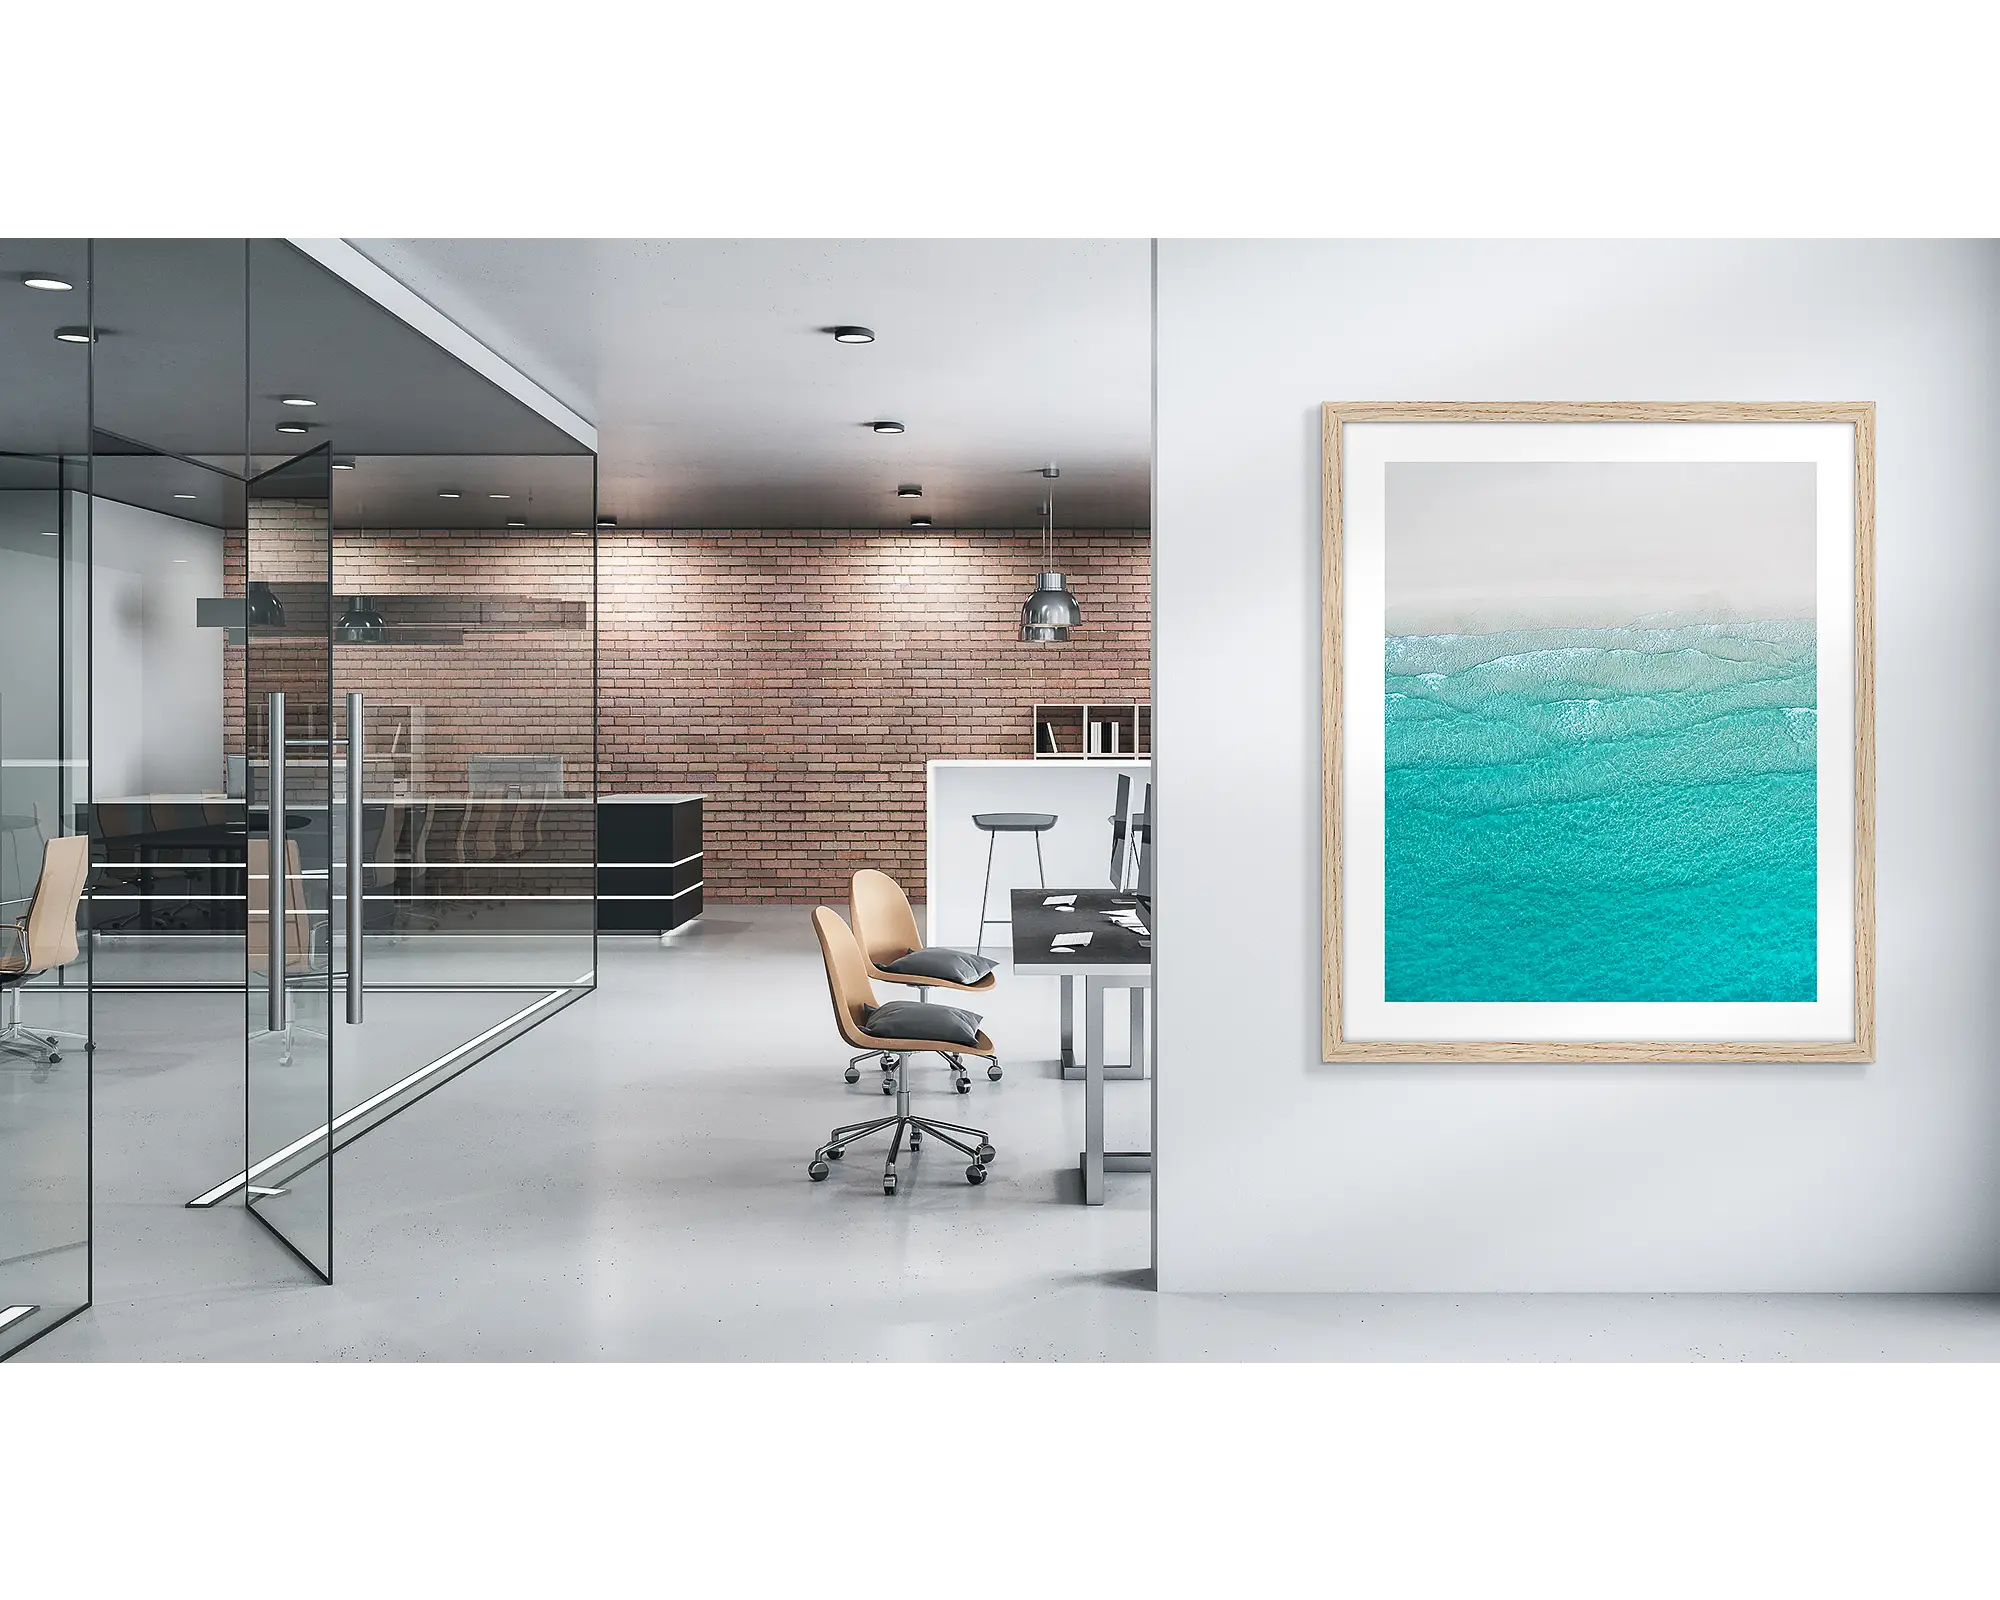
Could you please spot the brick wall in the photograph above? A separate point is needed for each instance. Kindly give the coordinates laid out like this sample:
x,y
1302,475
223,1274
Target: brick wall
x,y
800,679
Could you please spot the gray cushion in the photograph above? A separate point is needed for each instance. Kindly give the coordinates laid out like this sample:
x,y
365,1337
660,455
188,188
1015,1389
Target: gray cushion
x,y
908,1019
947,966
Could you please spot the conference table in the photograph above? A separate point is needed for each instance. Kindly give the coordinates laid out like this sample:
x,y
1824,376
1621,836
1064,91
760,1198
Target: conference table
x,y
1118,954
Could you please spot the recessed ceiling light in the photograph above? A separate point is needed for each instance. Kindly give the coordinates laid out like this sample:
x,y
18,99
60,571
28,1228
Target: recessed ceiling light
x,y
291,427
180,561
51,533
517,524
41,280
497,497
909,491
886,427
607,522
184,497
920,522
850,333
297,400
447,494
75,336
346,464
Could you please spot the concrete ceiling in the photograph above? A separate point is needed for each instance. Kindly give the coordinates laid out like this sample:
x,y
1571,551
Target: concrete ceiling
x,y
720,402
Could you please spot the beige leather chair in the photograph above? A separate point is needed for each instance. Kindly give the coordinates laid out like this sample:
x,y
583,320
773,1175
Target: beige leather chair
x,y
298,917
41,941
886,929
853,1009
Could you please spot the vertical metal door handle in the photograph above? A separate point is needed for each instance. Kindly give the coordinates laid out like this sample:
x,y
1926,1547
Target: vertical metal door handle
x,y
277,925
357,868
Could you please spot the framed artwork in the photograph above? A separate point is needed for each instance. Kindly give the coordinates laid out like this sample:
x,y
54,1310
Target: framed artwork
x,y
1598,760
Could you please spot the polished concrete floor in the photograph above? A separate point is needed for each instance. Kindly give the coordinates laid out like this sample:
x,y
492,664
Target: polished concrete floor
x,y
628,1183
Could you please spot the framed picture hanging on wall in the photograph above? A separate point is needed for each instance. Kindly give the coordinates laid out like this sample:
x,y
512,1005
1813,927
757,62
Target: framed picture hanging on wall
x,y
1598,761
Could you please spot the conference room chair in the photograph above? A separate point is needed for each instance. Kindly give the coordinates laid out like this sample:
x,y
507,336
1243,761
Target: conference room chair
x,y
886,928
907,1027
42,941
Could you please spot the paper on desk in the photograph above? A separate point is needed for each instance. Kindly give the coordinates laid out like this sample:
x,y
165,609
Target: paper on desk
x,y
1069,941
1060,900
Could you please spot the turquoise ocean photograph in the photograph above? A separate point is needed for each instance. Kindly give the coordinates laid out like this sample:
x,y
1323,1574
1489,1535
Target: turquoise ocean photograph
x,y
1601,732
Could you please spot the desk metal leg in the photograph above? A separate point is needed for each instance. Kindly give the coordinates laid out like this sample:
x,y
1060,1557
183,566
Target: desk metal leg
x,y
1095,1160
1135,1065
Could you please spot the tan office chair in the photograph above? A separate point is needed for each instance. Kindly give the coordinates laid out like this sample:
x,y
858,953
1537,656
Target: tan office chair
x,y
41,941
298,917
886,929
854,1013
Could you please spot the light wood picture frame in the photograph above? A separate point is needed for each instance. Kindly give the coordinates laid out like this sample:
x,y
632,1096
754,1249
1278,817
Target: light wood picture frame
x,y
1393,989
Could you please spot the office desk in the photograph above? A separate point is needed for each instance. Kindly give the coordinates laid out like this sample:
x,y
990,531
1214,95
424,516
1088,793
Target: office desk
x,y
1115,958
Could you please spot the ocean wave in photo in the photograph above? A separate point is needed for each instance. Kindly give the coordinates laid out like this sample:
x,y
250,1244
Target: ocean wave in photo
x,y
1602,814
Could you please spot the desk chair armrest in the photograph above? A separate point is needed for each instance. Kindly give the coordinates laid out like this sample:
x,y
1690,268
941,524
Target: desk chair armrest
x,y
14,945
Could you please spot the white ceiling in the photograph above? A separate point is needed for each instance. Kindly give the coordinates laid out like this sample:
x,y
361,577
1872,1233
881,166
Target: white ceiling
x,y
720,403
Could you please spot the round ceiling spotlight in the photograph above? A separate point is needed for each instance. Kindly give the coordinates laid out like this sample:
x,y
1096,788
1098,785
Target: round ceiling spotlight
x,y
498,497
887,427
292,427
607,522
920,522
517,524
344,464
42,280
909,491
852,333
76,336
296,400
178,496
447,494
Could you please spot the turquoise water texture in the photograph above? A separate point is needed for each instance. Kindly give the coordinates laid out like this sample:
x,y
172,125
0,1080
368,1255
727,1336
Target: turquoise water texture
x,y
1611,814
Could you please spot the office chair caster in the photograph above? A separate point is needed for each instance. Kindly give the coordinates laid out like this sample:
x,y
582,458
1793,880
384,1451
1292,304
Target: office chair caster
x,y
986,1153
852,1074
975,1174
993,1070
889,1085
916,1138
818,1171
964,1085
888,1183
834,1152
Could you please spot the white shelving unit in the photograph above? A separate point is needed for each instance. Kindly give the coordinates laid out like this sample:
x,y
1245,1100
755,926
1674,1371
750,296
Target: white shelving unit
x,y
1120,730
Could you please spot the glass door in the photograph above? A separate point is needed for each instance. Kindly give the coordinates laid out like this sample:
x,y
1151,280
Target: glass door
x,y
296,853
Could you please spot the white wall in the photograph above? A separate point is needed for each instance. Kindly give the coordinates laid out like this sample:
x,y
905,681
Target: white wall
x,y
156,683
1277,1171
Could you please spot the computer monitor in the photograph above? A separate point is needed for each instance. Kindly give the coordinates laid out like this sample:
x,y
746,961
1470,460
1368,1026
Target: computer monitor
x,y
1142,825
1119,832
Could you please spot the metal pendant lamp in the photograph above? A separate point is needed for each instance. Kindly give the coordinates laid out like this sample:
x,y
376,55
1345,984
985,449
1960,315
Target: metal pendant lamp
x,y
261,606
1051,611
360,623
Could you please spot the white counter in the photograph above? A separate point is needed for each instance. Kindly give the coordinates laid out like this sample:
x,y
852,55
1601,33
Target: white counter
x,y
1076,851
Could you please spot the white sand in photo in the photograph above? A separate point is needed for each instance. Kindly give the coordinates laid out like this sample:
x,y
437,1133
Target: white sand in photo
x,y
1485,547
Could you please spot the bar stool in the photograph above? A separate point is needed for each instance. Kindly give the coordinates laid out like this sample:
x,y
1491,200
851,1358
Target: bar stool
x,y
993,824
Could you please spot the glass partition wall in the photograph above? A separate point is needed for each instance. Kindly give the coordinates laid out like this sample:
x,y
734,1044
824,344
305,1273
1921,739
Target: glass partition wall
x,y
334,557
45,990
464,600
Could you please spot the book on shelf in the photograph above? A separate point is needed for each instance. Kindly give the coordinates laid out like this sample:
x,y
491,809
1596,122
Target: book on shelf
x,y
1045,739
